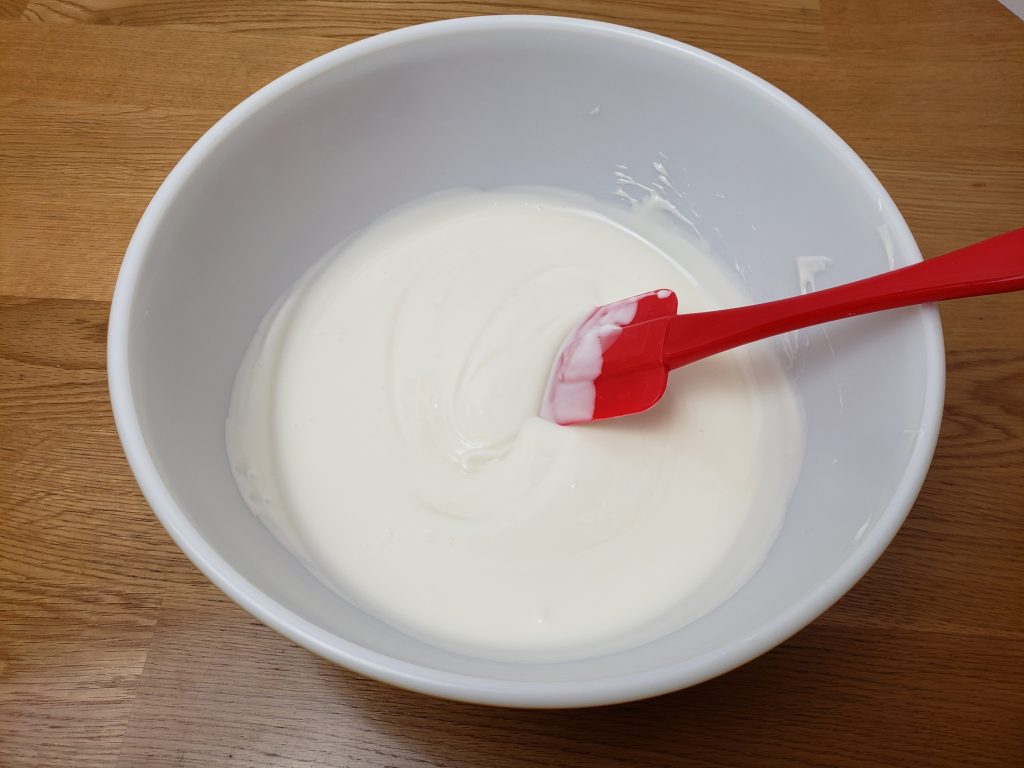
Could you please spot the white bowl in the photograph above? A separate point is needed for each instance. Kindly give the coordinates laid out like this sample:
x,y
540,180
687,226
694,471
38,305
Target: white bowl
x,y
489,102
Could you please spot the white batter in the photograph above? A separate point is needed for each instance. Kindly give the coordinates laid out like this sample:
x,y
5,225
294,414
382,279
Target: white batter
x,y
384,425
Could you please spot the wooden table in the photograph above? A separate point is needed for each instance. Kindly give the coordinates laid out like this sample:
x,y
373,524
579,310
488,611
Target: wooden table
x,y
115,651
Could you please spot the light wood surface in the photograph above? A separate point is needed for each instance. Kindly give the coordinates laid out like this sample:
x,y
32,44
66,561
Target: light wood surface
x,y
114,651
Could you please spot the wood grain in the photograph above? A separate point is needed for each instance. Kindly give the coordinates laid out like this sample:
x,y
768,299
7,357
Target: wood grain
x,y
114,651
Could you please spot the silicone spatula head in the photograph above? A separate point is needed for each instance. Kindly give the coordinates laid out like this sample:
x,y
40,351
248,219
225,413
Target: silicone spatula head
x,y
611,363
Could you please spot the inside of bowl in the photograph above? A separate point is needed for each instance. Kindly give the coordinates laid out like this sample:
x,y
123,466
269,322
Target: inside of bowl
x,y
368,130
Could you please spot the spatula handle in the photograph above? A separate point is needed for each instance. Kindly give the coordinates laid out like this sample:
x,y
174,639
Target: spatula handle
x,y
995,265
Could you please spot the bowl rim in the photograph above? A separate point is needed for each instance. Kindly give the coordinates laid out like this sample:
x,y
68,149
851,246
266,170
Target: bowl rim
x,y
471,688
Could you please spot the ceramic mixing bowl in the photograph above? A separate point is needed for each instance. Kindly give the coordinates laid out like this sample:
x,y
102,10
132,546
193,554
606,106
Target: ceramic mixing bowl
x,y
493,102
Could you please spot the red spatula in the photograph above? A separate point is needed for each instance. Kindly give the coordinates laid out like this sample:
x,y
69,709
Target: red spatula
x,y
616,361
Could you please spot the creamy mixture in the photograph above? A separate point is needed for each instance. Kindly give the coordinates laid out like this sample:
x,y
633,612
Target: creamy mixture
x,y
384,425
